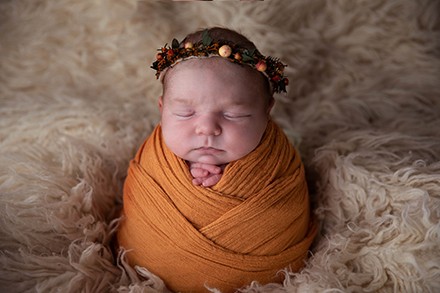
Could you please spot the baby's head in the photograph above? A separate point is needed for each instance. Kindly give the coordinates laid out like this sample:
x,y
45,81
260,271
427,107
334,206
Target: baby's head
x,y
213,110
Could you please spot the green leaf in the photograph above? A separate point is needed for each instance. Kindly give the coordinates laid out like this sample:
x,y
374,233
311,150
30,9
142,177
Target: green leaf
x,y
206,39
175,44
246,57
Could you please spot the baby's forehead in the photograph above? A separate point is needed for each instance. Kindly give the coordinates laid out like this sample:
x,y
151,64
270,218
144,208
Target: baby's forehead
x,y
225,103
218,65
216,74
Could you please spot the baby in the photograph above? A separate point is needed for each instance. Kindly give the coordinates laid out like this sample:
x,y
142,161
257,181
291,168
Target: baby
x,y
216,196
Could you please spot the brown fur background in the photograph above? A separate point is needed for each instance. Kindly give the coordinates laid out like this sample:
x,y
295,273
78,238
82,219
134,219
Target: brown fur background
x,y
77,98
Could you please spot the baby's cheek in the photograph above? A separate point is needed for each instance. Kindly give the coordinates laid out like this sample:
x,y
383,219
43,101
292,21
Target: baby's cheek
x,y
244,142
173,141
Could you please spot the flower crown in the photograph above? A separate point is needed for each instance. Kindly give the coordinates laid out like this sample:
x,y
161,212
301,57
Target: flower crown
x,y
270,66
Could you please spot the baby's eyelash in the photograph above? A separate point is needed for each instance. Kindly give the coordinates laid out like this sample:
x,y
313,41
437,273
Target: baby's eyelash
x,y
236,116
184,115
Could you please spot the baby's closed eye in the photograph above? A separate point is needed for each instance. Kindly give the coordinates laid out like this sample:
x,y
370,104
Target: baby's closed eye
x,y
233,116
183,114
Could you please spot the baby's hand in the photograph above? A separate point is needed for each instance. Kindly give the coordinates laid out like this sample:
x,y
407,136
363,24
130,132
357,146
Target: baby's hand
x,y
205,174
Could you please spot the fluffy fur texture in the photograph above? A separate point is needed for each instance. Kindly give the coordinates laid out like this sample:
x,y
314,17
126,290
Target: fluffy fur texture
x,y
77,98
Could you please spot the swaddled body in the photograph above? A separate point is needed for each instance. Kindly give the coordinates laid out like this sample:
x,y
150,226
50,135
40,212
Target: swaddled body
x,y
252,223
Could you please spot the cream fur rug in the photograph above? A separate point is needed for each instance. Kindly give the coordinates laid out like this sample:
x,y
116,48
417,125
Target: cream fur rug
x,y
77,98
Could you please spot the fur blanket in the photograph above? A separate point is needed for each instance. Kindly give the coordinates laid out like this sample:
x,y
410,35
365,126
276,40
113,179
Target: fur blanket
x,y
77,98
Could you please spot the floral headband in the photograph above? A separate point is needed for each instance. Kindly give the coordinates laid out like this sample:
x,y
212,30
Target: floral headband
x,y
270,66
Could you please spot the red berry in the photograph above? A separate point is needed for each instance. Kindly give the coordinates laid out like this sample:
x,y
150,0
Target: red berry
x,y
276,78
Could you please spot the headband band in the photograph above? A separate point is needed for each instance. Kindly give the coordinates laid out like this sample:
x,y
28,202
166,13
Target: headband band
x,y
270,66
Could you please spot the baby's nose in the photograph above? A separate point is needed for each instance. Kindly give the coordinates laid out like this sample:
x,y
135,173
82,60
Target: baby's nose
x,y
209,127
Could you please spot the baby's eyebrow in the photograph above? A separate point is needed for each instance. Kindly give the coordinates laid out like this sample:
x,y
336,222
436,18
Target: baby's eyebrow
x,y
237,103
179,100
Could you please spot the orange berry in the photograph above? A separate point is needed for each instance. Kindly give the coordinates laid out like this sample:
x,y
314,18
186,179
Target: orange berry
x,y
225,51
261,66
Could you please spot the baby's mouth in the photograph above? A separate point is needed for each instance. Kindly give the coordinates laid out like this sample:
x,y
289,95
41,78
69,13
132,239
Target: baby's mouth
x,y
208,150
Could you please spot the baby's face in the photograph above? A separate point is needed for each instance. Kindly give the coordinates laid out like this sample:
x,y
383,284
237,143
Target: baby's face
x,y
213,111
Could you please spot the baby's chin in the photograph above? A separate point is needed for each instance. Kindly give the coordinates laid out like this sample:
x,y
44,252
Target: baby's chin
x,y
211,160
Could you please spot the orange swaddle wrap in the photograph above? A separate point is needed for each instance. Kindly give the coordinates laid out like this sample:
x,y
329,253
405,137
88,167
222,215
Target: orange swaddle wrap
x,y
254,222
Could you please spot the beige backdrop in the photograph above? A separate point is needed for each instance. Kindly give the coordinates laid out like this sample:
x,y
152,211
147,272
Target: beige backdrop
x,y
77,98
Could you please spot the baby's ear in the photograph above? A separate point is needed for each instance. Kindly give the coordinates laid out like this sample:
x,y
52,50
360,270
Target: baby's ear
x,y
160,104
270,106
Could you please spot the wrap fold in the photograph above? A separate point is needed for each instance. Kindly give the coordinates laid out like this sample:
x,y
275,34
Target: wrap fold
x,y
254,222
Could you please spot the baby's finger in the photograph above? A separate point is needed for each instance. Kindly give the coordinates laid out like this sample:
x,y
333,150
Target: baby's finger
x,y
208,167
197,181
212,180
198,172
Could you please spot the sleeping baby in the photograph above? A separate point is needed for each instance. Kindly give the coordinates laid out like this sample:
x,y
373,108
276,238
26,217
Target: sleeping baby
x,y
216,196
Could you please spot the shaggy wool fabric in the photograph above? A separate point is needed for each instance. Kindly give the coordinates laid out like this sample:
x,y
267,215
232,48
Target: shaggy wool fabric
x,y
77,98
